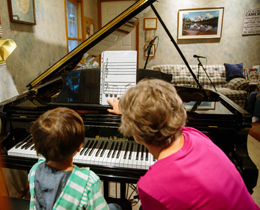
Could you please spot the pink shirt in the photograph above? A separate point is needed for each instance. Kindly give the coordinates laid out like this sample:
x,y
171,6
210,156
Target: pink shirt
x,y
198,176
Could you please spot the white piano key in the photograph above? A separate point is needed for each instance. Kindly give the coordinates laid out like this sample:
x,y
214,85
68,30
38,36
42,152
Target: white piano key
x,y
116,160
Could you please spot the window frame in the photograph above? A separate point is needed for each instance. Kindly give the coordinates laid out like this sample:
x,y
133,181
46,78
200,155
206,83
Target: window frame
x,y
80,14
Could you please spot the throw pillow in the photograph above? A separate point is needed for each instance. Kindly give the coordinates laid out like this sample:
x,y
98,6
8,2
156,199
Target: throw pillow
x,y
238,84
234,71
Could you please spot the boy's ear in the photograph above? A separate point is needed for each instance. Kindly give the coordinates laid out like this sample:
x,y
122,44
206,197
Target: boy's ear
x,y
80,146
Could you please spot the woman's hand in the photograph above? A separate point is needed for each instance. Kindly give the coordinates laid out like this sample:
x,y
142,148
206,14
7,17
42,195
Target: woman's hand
x,y
114,104
257,95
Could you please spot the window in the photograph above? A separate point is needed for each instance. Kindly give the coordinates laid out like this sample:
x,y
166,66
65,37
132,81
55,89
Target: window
x,y
74,14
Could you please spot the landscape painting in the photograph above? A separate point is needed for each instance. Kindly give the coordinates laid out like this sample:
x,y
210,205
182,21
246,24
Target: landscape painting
x,y
200,23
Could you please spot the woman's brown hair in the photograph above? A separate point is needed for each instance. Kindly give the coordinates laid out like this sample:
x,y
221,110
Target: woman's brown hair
x,y
152,112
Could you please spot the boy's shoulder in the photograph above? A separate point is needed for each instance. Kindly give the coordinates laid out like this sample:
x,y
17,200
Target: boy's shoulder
x,y
85,171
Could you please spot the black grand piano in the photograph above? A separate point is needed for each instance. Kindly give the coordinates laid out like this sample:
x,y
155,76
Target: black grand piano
x,y
109,154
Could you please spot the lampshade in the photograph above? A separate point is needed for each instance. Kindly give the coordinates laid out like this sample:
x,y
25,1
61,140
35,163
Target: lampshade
x,y
7,46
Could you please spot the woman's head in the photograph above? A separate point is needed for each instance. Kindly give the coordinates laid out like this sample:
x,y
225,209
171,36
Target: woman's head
x,y
152,112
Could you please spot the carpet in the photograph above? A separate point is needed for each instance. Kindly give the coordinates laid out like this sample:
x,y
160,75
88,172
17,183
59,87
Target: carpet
x,y
255,131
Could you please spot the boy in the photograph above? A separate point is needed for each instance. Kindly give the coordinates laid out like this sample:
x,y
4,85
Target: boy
x,y
55,183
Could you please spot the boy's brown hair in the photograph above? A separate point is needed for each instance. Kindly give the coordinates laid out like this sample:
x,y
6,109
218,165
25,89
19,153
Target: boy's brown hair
x,y
58,133
153,112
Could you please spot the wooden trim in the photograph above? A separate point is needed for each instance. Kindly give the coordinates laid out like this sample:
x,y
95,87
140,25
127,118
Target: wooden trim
x,y
76,3
82,19
73,2
137,25
77,8
78,39
66,25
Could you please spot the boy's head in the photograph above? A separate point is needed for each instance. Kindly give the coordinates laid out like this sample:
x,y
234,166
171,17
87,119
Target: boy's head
x,y
58,133
152,112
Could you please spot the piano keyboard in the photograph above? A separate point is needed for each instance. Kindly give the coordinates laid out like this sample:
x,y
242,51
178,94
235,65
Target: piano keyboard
x,y
125,154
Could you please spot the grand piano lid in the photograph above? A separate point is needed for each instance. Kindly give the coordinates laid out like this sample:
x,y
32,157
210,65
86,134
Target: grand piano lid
x,y
100,41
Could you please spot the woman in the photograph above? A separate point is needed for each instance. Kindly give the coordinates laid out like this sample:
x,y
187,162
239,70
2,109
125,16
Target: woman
x,y
191,172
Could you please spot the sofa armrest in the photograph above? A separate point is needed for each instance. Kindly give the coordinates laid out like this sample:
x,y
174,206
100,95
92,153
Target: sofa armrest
x,y
238,84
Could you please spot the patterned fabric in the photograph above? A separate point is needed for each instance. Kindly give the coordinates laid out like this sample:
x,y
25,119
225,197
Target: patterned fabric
x,y
83,191
181,76
238,84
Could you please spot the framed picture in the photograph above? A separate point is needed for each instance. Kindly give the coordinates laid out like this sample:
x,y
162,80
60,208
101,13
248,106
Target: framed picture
x,y
202,23
89,27
150,23
22,11
251,22
149,35
152,51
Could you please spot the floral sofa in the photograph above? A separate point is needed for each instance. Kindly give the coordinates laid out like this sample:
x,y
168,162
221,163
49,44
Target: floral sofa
x,y
235,89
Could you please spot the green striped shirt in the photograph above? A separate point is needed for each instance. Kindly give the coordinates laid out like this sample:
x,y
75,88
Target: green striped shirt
x,y
82,191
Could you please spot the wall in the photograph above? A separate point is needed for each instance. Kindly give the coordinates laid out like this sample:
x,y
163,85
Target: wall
x,y
90,11
42,45
232,47
39,46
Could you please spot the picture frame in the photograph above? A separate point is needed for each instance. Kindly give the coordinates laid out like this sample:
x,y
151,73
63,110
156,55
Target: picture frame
x,y
150,23
88,27
200,23
152,52
149,35
22,12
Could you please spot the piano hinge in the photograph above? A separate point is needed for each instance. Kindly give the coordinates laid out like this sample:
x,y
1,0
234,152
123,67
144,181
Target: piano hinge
x,y
35,90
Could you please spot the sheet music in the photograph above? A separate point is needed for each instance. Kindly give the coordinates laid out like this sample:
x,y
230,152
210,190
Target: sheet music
x,y
118,74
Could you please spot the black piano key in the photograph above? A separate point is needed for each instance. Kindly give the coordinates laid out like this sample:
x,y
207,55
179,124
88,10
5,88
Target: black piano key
x,y
138,151
116,149
25,145
32,148
119,150
146,156
131,149
89,147
105,147
100,148
85,147
142,152
135,148
28,145
126,150
111,149
93,148
23,141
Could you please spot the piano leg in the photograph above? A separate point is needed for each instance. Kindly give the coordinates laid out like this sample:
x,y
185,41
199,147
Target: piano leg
x,y
122,189
105,184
